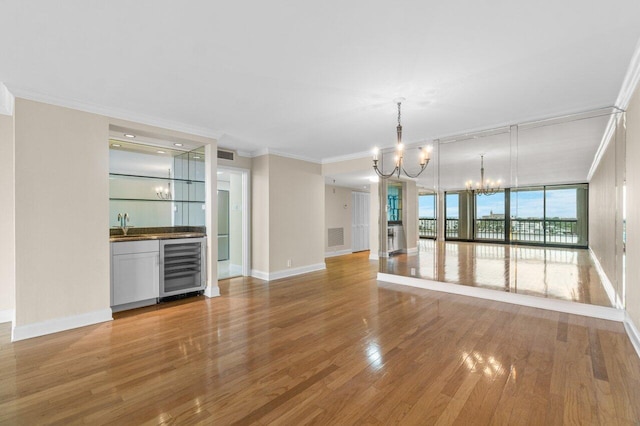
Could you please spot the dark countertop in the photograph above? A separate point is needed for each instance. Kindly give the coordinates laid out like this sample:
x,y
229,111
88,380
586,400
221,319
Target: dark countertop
x,y
156,233
160,236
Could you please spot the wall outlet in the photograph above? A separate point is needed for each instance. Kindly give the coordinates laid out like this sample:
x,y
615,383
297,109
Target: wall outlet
x,y
288,263
413,272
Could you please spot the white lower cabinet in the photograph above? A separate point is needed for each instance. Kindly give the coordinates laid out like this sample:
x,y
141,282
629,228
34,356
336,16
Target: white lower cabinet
x,y
135,273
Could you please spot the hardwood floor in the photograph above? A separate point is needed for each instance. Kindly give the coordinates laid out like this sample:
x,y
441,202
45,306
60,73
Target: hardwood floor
x,y
329,347
557,273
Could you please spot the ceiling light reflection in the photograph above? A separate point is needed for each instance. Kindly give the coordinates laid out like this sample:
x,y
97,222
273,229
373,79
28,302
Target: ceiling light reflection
x,y
374,355
490,366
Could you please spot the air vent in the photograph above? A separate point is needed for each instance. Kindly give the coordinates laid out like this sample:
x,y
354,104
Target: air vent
x,y
225,155
335,237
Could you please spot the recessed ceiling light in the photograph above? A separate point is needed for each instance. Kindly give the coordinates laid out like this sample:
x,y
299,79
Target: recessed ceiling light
x,y
177,144
220,173
117,145
129,135
197,157
161,152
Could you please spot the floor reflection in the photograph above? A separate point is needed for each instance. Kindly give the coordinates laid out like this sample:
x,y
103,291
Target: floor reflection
x,y
558,273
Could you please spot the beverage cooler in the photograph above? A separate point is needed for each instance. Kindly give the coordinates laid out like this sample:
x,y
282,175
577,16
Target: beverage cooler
x,y
182,266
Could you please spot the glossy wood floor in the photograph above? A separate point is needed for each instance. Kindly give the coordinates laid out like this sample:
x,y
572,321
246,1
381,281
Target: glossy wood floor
x,y
331,348
557,273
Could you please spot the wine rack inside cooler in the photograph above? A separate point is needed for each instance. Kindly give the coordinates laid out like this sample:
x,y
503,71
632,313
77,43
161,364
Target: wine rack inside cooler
x,y
182,266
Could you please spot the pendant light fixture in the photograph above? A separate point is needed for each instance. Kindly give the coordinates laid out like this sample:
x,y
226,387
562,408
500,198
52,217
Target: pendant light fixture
x,y
399,154
484,187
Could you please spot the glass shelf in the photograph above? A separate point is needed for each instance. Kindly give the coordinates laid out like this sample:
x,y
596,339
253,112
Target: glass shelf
x,y
157,200
123,187
156,178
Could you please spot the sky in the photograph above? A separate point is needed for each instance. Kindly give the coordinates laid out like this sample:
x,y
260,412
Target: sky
x,y
560,203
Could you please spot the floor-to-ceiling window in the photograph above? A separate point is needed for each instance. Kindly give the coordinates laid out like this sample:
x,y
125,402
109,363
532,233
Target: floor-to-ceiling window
x,y
527,215
550,215
566,214
554,215
427,215
490,216
452,215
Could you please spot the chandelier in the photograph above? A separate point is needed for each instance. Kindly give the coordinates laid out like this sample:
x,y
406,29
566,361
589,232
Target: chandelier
x,y
484,187
162,192
399,167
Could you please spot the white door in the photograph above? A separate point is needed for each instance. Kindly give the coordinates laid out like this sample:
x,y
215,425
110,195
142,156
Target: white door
x,y
360,221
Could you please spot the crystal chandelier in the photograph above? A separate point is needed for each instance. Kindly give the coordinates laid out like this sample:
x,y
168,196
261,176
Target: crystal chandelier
x,y
399,167
484,187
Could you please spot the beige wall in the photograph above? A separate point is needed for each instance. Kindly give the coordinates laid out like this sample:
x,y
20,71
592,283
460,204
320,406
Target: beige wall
x,y
338,211
296,212
632,301
62,204
348,166
7,220
602,212
260,214
287,214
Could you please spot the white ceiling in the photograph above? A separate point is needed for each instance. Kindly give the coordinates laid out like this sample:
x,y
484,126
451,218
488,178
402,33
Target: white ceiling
x,y
317,80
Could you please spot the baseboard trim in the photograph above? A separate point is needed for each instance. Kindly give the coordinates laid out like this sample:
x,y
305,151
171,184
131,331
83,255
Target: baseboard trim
x,y
606,283
412,250
285,273
575,308
260,275
337,253
632,332
22,332
6,315
373,256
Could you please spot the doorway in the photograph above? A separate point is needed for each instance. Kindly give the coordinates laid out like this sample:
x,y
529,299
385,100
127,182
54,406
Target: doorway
x,y
233,223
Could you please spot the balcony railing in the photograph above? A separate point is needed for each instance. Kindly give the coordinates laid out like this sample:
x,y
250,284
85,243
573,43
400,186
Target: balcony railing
x,y
451,228
550,231
427,227
490,229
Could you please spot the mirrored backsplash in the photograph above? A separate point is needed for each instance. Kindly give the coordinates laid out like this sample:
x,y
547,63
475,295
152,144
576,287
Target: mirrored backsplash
x,y
161,189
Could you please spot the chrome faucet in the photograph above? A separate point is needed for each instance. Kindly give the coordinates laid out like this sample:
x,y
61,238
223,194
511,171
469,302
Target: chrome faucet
x,y
123,222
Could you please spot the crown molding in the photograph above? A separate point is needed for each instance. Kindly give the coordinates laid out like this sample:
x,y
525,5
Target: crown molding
x,y
604,144
7,101
110,112
631,79
259,152
347,157
246,154
269,151
629,86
